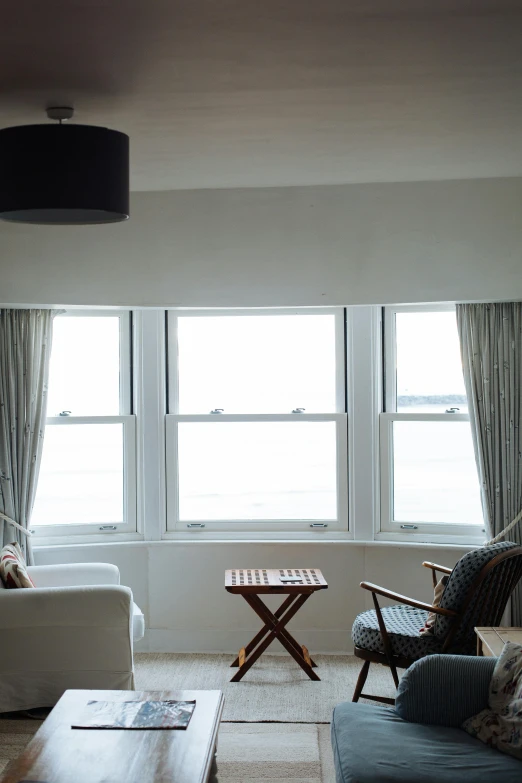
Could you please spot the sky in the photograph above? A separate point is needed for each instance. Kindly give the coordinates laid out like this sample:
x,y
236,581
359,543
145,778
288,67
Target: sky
x,y
428,354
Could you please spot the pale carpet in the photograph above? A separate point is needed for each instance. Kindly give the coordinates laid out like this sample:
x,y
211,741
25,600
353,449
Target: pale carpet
x,y
275,688
253,747
272,753
247,752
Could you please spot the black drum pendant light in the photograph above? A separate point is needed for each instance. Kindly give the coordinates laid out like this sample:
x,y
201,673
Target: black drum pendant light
x,y
63,174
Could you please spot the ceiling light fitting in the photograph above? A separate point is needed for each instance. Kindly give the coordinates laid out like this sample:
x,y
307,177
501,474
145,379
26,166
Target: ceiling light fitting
x,y
63,174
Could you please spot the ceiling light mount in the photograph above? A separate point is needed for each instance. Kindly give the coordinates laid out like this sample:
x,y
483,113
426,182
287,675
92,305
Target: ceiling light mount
x,y
60,113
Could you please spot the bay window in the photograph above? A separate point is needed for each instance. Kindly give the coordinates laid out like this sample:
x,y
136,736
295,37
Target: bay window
x,y
243,426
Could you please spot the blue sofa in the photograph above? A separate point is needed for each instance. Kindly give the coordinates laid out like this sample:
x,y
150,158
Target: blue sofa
x,y
420,740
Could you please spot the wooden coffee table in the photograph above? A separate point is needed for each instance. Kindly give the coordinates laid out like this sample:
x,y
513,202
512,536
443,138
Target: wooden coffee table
x,y
297,584
59,754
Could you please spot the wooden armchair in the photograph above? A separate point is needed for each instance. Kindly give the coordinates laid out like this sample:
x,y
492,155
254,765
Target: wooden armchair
x,y
476,593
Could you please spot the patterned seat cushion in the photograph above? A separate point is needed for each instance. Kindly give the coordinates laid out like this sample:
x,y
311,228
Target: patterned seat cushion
x,y
403,624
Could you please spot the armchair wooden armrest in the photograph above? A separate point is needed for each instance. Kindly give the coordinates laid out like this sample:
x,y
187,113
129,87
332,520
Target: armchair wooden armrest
x,y
403,599
434,568
376,590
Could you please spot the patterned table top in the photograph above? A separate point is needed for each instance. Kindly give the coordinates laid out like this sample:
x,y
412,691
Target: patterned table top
x,y
274,580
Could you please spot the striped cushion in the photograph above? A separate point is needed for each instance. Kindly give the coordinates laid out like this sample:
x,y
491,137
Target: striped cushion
x,y
444,690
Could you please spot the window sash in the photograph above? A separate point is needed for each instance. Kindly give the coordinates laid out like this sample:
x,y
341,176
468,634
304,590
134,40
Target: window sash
x,y
390,346
172,332
129,480
175,525
129,525
448,531
389,528
125,328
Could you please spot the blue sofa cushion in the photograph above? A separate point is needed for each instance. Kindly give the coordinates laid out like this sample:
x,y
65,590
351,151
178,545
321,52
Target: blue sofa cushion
x,y
373,745
444,690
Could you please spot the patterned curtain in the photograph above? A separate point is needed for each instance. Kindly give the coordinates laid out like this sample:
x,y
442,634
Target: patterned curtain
x,y
25,347
491,347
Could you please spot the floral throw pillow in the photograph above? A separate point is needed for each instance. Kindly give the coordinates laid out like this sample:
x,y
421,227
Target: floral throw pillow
x,y
13,570
501,725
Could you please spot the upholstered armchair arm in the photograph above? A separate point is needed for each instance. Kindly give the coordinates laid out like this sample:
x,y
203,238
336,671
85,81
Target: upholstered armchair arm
x,y
63,637
444,690
403,599
74,574
101,606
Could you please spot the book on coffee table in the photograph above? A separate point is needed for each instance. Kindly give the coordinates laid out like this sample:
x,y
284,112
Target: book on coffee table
x,y
136,715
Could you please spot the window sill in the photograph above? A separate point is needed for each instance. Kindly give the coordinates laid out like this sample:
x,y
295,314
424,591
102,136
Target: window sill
x,y
431,539
44,542
234,539
258,535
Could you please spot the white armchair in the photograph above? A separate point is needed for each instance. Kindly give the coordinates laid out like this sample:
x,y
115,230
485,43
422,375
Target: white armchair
x,y
75,629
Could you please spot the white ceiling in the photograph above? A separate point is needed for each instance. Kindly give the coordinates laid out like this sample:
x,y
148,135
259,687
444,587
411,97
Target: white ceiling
x,y
243,93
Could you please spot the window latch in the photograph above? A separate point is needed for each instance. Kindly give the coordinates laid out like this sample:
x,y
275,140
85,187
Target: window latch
x,y
196,524
409,527
299,410
218,410
318,524
65,413
452,410
108,527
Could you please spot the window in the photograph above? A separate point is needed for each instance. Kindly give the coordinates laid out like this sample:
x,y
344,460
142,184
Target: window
x,y
429,481
256,431
87,475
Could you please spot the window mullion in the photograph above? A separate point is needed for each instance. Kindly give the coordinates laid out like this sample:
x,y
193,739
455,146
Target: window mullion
x,y
364,404
150,397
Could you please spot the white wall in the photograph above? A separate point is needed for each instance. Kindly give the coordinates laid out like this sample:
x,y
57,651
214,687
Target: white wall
x,y
347,244
272,247
180,587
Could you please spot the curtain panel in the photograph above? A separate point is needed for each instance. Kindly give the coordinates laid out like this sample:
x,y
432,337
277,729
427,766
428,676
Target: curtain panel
x,y
25,347
491,348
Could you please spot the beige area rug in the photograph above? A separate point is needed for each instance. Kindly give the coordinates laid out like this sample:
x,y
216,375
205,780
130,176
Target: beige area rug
x,y
15,734
247,752
272,753
275,688
253,747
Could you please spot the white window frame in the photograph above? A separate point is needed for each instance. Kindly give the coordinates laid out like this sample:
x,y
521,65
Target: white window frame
x,y
301,529
45,534
391,529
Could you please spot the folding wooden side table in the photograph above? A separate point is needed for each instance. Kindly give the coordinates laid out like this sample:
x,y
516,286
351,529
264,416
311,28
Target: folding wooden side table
x,y
297,584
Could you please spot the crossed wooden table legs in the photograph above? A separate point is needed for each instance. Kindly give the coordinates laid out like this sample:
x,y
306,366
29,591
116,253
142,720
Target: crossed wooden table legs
x,y
249,583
